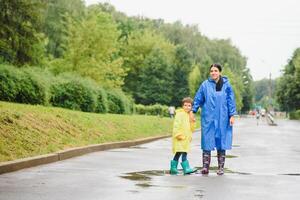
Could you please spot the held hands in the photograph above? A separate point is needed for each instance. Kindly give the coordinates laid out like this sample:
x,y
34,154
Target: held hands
x,y
231,121
192,117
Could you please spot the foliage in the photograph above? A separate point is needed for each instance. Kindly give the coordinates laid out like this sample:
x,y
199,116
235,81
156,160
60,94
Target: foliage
x,y
119,103
155,109
288,88
21,40
92,50
74,93
181,71
102,102
151,60
155,81
237,85
21,86
295,115
55,23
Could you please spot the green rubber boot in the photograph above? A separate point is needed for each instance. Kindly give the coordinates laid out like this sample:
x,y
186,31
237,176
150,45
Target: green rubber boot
x,y
186,167
173,168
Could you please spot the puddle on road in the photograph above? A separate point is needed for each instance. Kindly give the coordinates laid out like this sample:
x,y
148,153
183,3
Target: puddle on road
x,y
145,176
236,145
291,174
143,179
228,156
118,151
138,147
199,194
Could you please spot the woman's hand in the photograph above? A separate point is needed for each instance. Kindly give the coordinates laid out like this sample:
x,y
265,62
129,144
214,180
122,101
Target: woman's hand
x,y
231,121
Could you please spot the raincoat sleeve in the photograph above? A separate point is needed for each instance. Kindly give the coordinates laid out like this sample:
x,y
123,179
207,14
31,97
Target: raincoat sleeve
x,y
231,101
177,127
199,99
193,126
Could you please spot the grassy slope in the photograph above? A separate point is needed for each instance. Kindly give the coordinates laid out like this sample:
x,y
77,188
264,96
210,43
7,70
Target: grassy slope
x,y
27,130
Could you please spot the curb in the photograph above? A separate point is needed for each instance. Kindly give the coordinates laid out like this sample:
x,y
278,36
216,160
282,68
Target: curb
x,y
15,165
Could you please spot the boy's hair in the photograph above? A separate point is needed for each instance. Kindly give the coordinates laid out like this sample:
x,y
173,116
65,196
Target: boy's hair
x,y
187,100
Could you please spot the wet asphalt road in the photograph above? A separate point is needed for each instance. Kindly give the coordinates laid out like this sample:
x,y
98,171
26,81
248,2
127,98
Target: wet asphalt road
x,y
263,164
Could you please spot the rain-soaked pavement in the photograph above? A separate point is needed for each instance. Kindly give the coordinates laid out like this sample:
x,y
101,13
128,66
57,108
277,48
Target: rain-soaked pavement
x,y
263,164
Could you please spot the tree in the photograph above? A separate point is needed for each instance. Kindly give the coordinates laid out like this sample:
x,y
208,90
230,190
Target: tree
x,y
288,89
92,50
139,46
237,85
154,83
182,68
55,23
21,41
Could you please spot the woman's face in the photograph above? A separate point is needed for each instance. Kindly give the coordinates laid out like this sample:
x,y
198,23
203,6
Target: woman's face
x,y
214,73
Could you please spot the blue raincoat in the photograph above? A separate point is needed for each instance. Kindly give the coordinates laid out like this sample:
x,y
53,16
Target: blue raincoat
x,y
217,108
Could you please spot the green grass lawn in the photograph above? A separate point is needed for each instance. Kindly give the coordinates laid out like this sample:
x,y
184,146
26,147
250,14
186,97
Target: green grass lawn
x,y
27,130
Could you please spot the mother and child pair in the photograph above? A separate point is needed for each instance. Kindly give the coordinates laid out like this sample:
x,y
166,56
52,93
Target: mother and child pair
x,y
216,98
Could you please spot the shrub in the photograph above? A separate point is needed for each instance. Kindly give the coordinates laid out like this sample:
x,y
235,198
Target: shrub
x,y
155,109
9,79
21,86
295,115
73,92
118,102
102,103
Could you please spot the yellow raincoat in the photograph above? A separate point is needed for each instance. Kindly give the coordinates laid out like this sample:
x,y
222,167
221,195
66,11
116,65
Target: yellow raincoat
x,y
182,126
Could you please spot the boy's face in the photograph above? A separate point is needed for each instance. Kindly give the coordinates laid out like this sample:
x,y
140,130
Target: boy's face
x,y
187,107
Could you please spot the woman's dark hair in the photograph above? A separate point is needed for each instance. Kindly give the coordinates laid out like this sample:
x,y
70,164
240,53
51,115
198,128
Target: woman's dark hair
x,y
217,66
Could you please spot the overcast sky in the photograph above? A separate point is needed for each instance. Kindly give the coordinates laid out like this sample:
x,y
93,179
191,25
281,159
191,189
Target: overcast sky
x,y
266,31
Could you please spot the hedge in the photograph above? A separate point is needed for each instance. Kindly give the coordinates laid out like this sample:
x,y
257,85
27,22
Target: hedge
x,y
295,115
119,103
21,86
34,85
70,91
155,109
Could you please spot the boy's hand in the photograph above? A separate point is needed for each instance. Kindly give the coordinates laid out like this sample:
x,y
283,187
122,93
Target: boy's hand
x,y
180,137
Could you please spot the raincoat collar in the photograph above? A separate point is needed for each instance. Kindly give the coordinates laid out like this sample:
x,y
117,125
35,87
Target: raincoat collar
x,y
180,110
225,79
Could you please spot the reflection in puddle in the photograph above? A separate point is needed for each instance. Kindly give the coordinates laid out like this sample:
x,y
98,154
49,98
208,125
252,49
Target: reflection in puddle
x,y
118,151
138,147
144,177
229,156
199,194
133,191
291,174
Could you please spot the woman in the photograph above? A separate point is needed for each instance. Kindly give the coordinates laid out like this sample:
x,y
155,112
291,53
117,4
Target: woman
x,y
216,98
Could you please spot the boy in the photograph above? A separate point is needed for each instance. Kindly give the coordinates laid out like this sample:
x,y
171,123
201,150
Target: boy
x,y
182,137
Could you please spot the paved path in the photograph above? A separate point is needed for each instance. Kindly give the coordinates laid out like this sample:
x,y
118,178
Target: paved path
x,y
264,164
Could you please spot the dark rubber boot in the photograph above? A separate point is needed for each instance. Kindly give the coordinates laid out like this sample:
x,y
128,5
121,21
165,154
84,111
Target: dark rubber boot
x,y
206,162
221,163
